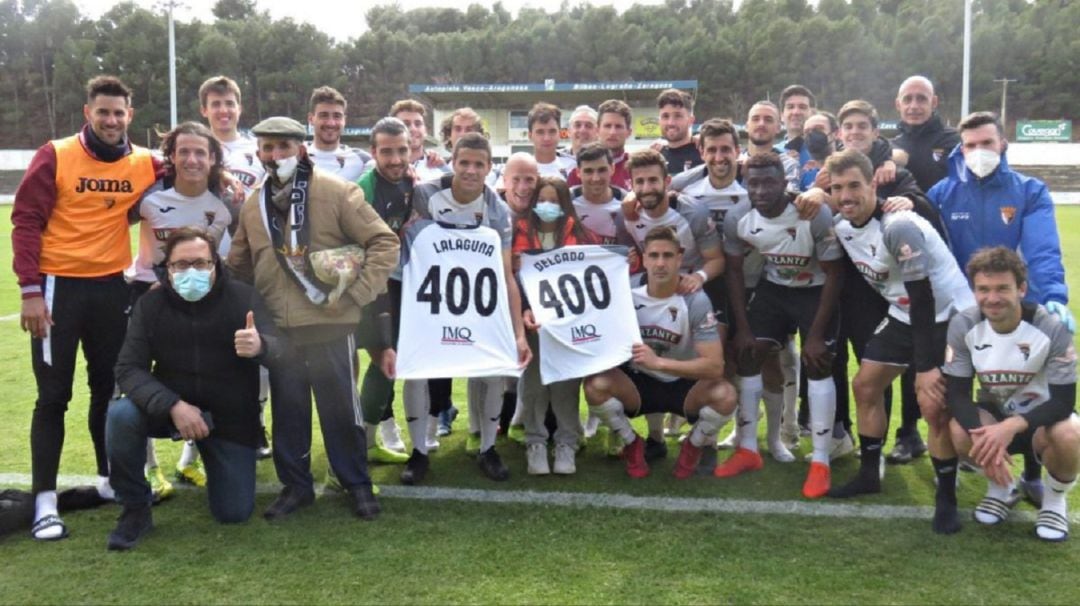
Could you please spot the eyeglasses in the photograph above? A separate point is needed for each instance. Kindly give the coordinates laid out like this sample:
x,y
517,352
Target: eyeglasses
x,y
199,264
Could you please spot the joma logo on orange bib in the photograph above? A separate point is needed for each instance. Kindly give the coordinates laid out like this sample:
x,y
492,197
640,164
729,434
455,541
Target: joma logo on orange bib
x,y
104,185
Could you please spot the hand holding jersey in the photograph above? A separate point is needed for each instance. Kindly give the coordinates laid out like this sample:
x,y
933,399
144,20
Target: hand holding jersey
x,y
453,305
463,199
580,299
1026,364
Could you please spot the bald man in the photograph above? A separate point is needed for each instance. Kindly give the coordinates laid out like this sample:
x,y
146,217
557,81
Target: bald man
x,y
519,180
923,138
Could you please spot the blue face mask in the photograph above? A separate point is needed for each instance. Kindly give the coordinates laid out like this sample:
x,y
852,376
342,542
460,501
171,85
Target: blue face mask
x,y
548,212
191,284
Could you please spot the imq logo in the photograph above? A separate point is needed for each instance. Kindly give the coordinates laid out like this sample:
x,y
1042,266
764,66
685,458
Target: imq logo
x,y
584,333
457,335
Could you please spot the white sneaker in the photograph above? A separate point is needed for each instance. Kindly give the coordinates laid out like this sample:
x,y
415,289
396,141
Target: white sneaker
x,y
841,447
432,434
730,442
536,455
673,424
592,423
780,453
564,460
391,435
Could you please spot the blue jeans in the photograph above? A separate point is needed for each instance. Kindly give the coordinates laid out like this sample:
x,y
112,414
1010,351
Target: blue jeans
x,y
230,467
325,370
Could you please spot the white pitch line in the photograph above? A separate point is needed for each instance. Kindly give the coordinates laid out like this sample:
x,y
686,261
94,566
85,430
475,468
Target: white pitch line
x,y
815,509
9,318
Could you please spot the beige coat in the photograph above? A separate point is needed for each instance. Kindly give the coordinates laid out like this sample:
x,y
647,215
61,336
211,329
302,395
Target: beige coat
x,y
338,215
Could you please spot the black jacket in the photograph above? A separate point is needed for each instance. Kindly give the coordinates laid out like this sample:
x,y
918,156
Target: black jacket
x,y
928,146
175,350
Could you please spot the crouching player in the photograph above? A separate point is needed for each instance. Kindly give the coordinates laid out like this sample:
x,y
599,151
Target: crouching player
x,y
678,369
1026,364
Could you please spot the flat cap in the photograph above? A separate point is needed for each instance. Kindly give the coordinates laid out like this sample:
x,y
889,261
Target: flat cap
x,y
280,126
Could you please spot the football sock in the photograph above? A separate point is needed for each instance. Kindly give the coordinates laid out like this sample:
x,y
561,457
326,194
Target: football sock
x,y
1054,501
867,480
750,389
105,489
475,397
45,505
709,422
417,405
656,425
188,455
491,401
789,368
613,414
1032,469
822,396
151,454
774,412
946,517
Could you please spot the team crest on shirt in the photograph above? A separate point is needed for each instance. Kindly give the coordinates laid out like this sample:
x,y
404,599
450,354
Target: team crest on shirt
x,y
210,216
674,311
937,154
906,253
341,161
110,202
250,159
1025,350
1008,213
791,232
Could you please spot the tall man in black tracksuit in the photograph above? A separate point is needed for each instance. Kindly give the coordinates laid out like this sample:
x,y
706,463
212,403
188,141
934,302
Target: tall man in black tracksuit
x,y
923,137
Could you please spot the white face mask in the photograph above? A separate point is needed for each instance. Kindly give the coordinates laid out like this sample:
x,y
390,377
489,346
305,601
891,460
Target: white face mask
x,y
982,161
285,168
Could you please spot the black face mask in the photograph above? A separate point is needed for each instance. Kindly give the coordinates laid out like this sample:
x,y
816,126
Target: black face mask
x,y
817,143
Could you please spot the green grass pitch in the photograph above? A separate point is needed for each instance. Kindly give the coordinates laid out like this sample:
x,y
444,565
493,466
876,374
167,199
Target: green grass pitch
x,y
433,552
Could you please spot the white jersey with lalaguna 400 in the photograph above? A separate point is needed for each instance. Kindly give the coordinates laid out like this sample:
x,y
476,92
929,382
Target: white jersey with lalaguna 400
x,y
580,296
455,317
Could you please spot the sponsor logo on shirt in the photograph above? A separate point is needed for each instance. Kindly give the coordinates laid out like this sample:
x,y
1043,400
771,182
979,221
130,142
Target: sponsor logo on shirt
x,y
994,378
871,273
104,185
457,335
584,334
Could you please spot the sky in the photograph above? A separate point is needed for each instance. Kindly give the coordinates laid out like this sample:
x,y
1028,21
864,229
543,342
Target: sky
x,y
339,19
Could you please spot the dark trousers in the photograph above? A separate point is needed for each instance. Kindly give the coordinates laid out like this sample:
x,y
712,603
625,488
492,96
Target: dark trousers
x,y
89,311
325,369
230,467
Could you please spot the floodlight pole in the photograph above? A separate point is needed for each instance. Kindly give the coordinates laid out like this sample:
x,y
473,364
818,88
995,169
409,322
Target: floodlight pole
x,y
1004,94
171,4
965,94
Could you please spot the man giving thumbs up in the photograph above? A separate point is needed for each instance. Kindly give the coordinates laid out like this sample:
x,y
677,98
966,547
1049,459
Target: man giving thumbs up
x,y
181,376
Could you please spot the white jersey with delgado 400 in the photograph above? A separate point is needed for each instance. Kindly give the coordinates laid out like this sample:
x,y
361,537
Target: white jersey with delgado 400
x,y
455,316
580,296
